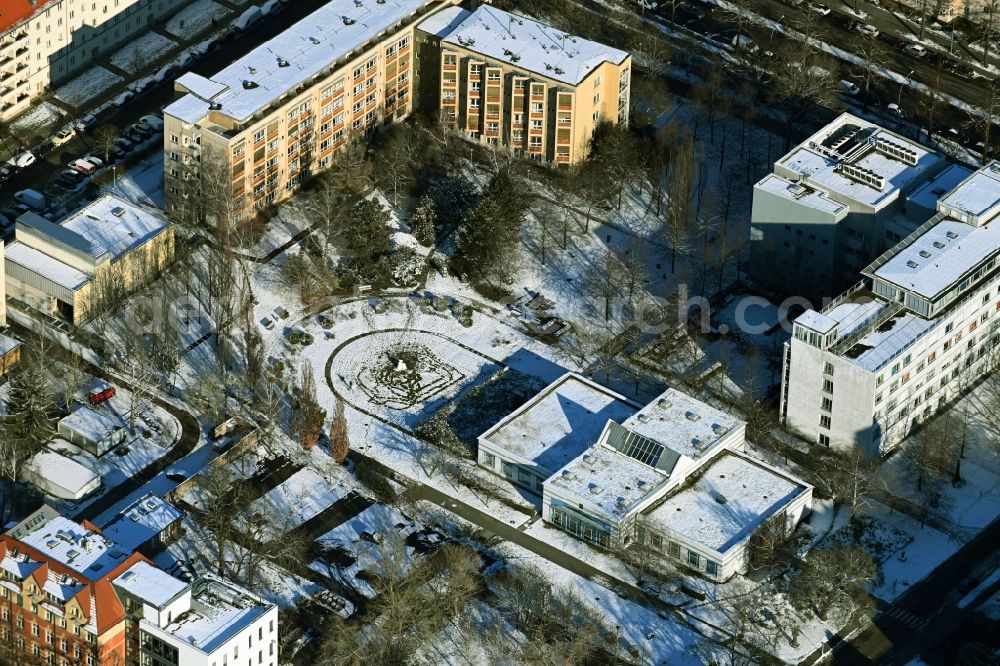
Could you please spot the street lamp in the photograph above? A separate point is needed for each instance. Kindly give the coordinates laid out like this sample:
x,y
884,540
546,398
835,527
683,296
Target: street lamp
x,y
899,98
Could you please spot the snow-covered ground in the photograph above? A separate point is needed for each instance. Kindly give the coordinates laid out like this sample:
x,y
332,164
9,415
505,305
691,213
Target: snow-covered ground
x,y
88,85
195,18
40,118
142,184
300,497
142,52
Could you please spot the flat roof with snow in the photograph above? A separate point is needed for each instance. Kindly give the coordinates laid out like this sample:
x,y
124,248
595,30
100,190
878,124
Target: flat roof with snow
x,y
150,584
977,196
530,45
682,424
443,22
219,611
807,196
928,194
141,521
62,471
560,422
304,50
43,265
866,147
816,321
91,424
728,502
115,226
880,345
82,550
938,258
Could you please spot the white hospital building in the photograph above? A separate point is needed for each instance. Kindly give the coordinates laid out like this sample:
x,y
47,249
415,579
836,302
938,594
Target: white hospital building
x,y
837,201
670,477
906,339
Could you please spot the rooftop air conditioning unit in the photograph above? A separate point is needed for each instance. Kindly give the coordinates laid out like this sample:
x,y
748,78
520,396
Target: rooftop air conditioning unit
x,y
691,416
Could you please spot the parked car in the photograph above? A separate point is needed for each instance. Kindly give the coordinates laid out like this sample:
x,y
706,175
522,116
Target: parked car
x,y
116,154
71,177
4,173
164,73
123,99
101,396
176,477
248,18
124,143
25,159
848,88
894,110
819,8
144,129
133,135
271,7
917,50
867,29
63,136
83,166
31,198
156,122
96,161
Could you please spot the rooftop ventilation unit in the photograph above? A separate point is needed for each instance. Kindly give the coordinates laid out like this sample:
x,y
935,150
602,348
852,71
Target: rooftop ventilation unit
x,y
951,234
912,264
282,62
938,244
642,485
719,429
508,52
249,85
253,70
663,403
588,458
925,254
214,106
896,151
515,58
861,175
596,489
559,70
117,211
721,499
643,418
691,416
357,3
314,40
568,475
699,444
348,20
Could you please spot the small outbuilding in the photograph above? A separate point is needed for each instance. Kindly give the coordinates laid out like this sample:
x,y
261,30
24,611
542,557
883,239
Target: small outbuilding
x,y
92,431
60,476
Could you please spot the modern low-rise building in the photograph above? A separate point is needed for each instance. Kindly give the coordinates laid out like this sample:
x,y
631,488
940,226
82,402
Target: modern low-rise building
x,y
260,126
204,623
147,525
631,478
95,255
91,430
44,42
507,80
837,201
919,327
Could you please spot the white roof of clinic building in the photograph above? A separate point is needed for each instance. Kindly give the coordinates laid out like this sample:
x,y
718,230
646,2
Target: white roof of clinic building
x,y
220,611
151,584
141,521
727,503
682,424
978,195
560,422
79,548
806,196
530,45
308,47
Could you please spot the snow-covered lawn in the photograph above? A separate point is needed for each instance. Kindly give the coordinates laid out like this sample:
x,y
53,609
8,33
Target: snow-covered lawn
x,y
195,18
142,52
300,497
36,121
142,184
88,85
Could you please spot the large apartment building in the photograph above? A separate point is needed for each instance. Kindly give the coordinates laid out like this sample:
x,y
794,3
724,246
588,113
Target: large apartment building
x,y
272,117
668,479
837,201
43,42
901,343
509,81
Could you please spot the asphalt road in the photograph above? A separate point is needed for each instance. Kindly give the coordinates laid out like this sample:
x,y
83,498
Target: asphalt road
x,y
39,175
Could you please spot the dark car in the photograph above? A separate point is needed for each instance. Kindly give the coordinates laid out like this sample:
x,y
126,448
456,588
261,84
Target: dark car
x,y
177,477
116,154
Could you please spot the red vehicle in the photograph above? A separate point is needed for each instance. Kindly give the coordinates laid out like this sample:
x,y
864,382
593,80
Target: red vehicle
x,y
101,396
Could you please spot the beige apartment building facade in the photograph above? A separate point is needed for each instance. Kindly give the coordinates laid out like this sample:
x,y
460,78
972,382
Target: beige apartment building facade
x,y
276,115
44,42
507,80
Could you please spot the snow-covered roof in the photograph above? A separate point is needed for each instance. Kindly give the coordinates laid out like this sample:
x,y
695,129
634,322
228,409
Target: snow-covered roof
x,y
141,521
882,344
802,194
81,549
683,424
8,344
90,424
151,584
560,422
816,321
977,196
115,226
732,497
928,194
866,147
935,260
47,267
530,45
220,610
308,47
443,22
852,316
62,471
609,483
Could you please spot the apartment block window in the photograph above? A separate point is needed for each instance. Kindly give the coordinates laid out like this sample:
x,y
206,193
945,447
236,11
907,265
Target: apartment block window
x,y
536,124
489,460
325,127
474,85
597,99
359,88
259,135
536,142
326,93
711,568
947,345
536,107
878,382
674,549
906,377
359,72
473,103
404,42
449,94
931,357
828,369
827,404
824,422
507,468
173,138
694,559
827,386
824,439
878,398
895,368
949,326
475,69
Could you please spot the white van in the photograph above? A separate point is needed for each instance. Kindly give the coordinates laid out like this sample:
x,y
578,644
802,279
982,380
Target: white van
x,y
31,199
848,88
